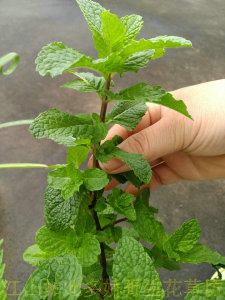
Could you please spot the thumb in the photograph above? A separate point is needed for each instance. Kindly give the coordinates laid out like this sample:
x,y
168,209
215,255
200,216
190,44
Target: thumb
x,y
162,138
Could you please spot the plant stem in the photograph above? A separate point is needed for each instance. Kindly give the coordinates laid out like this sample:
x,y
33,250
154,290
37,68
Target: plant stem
x,y
105,276
104,100
114,223
16,123
22,165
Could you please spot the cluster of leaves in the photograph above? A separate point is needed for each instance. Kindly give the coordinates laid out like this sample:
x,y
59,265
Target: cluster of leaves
x,y
3,282
81,250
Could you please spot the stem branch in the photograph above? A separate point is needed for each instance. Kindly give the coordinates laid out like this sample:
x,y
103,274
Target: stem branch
x,y
114,223
104,100
105,276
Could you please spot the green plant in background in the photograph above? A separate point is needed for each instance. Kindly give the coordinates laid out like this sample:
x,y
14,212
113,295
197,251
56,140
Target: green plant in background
x,y
3,282
12,58
82,252
4,61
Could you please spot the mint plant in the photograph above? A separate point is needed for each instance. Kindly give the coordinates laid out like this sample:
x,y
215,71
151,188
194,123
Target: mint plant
x,y
82,251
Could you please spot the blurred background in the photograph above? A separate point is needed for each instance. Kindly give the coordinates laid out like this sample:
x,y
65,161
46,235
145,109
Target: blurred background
x,y
25,27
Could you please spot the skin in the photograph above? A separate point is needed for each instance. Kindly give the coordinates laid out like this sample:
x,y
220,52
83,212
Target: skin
x,y
176,147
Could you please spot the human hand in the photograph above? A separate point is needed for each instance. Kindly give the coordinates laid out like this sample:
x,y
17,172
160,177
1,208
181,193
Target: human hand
x,y
176,147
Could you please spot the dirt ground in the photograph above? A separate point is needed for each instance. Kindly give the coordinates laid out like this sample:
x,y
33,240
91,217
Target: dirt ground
x,y
26,26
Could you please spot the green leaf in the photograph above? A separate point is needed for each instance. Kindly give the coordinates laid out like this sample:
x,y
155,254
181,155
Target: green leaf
x,y
149,229
58,126
35,256
100,132
156,44
110,64
100,204
95,179
128,176
166,41
144,92
138,60
133,267
114,32
108,251
209,290
92,12
139,92
88,82
183,239
15,123
71,186
133,24
77,155
56,243
167,263
58,177
56,276
135,162
53,123
201,253
110,235
131,232
89,250
85,247
116,232
106,219
120,178
68,179
142,202
6,59
106,216
59,213
55,58
121,202
161,260
84,221
127,114
92,273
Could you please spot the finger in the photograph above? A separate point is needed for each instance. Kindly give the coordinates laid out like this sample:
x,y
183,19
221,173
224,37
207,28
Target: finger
x,y
150,119
124,133
151,116
162,138
131,189
113,182
152,163
163,175
90,162
117,130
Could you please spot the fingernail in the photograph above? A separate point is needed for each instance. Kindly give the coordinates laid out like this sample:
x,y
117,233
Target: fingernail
x,y
90,162
130,189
